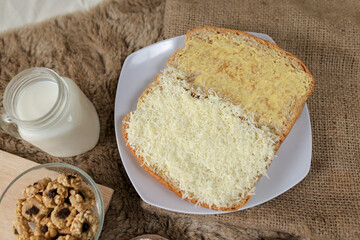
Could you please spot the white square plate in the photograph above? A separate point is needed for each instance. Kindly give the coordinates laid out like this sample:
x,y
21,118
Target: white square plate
x,y
140,68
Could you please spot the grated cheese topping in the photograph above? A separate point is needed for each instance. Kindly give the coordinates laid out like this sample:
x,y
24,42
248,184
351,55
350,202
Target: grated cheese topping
x,y
207,147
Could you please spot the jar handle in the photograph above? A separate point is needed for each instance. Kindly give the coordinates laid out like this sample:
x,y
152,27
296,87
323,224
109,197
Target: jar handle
x,y
9,126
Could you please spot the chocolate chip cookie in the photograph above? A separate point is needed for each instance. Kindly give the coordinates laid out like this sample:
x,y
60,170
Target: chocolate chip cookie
x,y
46,229
85,225
54,194
21,228
82,198
37,187
18,208
70,180
66,237
51,208
63,215
33,209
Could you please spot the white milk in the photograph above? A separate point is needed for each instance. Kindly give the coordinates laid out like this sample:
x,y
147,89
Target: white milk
x,y
74,132
37,100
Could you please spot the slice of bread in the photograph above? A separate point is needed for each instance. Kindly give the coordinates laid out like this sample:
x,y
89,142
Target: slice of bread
x,y
249,71
212,121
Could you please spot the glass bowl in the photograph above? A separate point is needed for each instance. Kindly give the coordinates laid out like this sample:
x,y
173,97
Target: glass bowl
x,y
14,191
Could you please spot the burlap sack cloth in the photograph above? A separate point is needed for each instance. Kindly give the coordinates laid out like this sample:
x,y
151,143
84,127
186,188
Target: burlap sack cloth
x,y
90,47
326,37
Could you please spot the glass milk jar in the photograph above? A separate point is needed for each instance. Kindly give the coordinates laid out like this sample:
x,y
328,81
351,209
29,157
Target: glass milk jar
x,y
50,112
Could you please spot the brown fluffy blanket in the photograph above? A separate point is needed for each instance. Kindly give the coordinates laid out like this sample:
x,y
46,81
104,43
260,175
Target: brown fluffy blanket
x,y
90,48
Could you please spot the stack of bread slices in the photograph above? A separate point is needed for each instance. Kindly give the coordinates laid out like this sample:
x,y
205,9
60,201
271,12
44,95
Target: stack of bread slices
x,y
210,124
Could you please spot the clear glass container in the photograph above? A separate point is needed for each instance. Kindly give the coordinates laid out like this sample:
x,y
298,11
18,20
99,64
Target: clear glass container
x,y
14,191
50,112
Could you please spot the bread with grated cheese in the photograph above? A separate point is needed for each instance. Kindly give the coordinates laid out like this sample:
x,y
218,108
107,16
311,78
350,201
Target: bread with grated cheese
x,y
210,124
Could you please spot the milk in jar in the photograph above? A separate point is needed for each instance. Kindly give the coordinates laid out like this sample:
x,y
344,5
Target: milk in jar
x,y
52,113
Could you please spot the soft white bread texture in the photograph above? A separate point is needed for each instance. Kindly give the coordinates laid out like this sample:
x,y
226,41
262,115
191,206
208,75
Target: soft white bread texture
x,y
212,121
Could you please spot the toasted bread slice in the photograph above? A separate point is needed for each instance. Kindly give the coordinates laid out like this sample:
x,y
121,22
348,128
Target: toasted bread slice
x,y
249,71
205,149
210,124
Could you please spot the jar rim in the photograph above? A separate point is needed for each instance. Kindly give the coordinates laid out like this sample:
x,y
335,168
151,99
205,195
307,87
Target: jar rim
x,y
23,79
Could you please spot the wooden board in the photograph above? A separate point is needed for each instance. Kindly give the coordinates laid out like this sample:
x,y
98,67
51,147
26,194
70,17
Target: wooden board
x,y
10,167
